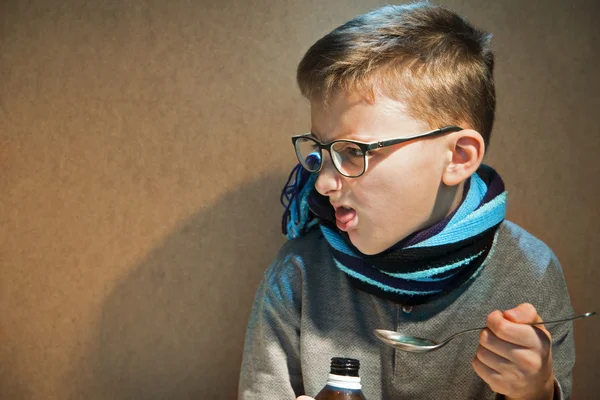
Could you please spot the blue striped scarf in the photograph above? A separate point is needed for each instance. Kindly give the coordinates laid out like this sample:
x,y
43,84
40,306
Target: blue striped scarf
x,y
422,266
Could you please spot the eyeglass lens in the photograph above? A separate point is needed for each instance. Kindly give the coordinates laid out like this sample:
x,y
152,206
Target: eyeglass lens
x,y
347,157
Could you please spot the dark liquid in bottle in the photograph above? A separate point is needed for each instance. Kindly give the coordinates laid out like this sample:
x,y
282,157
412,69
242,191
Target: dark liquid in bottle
x,y
331,393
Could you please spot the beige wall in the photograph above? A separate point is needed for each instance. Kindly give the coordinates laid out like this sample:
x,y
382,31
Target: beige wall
x,y
143,145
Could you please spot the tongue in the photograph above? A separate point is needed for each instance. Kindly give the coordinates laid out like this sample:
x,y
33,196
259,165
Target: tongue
x,y
344,215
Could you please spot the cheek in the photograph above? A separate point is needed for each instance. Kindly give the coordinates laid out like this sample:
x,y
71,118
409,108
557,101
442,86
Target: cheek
x,y
384,203
402,176
403,185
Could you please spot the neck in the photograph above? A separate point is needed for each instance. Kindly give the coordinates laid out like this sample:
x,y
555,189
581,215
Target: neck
x,y
448,200
458,197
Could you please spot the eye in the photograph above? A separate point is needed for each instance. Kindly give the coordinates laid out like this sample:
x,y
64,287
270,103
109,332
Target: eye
x,y
352,151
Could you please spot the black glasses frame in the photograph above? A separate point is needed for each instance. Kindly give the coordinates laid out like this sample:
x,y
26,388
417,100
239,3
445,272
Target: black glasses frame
x,y
366,147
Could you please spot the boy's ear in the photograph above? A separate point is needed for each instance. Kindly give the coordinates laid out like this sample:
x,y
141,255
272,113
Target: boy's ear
x,y
467,149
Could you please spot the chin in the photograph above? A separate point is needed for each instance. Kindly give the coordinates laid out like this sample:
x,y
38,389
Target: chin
x,y
364,246
364,243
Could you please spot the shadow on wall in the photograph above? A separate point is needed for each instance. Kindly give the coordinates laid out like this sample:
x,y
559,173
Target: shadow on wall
x,y
174,328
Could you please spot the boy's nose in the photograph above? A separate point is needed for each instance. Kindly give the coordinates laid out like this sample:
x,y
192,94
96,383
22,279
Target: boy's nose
x,y
329,180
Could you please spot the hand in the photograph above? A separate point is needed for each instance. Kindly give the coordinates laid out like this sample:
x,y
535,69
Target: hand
x,y
305,398
516,359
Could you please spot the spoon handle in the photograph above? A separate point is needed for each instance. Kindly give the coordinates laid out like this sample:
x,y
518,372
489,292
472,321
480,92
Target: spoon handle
x,y
556,321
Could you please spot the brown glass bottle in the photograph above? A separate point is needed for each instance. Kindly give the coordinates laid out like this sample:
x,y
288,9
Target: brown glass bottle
x,y
343,382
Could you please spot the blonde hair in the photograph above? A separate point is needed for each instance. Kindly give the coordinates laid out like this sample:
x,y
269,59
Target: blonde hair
x,y
424,55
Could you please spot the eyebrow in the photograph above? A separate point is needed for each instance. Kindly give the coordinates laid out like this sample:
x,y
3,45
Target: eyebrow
x,y
351,136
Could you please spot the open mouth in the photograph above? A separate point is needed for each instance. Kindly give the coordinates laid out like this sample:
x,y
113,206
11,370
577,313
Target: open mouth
x,y
345,218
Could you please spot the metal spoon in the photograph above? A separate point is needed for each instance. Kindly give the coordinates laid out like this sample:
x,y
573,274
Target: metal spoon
x,y
419,345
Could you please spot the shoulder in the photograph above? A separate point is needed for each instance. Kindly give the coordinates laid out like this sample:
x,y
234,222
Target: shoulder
x,y
517,247
295,260
297,253
514,236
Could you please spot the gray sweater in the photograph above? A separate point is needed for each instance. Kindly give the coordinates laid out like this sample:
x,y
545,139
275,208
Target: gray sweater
x,y
307,311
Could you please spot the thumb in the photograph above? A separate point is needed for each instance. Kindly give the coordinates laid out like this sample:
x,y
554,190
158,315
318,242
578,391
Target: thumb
x,y
522,314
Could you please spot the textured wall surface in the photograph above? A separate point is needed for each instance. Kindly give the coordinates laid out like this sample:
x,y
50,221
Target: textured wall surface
x,y
143,145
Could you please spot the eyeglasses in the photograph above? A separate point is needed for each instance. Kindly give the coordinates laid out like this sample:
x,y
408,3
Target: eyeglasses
x,y
349,157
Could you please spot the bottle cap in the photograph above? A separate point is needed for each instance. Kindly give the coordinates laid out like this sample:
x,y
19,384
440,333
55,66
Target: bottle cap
x,y
344,366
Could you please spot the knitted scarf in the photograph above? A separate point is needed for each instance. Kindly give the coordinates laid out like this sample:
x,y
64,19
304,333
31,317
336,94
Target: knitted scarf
x,y
426,264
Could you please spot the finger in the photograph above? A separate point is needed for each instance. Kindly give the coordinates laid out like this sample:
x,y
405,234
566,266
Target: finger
x,y
493,360
515,333
493,343
489,375
305,398
523,314
517,356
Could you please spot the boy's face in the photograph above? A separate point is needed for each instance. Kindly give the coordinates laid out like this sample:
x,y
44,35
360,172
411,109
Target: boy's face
x,y
401,191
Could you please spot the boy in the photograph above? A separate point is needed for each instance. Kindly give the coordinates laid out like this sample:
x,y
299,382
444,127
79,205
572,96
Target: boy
x,y
396,224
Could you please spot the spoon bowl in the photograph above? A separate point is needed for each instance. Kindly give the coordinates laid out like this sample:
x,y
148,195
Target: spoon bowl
x,y
414,344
